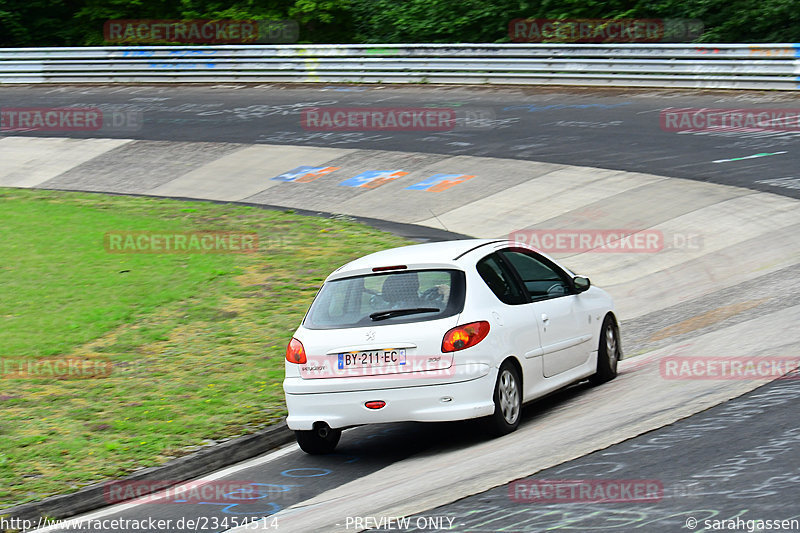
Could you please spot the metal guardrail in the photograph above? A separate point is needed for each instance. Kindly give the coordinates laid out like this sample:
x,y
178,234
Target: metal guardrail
x,y
702,66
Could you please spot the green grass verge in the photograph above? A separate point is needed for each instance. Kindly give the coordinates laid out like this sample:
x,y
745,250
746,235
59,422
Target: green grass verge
x,y
196,340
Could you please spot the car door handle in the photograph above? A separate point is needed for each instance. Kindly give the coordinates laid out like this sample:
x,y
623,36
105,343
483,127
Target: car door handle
x,y
545,318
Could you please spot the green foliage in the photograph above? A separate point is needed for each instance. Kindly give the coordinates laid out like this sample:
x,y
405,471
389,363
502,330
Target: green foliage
x,y
80,22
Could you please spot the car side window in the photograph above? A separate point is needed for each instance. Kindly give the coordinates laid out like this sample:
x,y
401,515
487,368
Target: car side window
x,y
500,280
541,279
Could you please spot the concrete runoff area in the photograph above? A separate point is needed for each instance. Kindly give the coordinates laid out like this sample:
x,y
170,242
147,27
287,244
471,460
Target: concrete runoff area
x,y
746,236
138,166
28,162
244,169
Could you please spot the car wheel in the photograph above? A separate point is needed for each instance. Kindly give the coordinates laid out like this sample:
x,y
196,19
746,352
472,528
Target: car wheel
x,y
507,402
608,352
318,441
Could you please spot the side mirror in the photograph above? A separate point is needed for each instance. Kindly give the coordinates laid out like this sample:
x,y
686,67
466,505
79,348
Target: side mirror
x,y
581,283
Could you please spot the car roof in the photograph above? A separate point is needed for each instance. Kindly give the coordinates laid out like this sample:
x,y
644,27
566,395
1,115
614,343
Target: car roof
x,y
438,253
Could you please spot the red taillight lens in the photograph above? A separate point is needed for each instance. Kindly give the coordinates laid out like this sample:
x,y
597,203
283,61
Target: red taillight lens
x,y
375,404
295,353
461,337
384,269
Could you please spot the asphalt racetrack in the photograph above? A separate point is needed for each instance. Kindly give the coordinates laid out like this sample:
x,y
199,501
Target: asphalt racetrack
x,y
717,450
611,129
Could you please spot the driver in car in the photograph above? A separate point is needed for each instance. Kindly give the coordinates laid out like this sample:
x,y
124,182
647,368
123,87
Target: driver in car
x,y
401,291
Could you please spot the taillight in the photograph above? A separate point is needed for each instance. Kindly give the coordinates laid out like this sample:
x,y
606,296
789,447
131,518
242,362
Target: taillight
x,y
461,337
295,353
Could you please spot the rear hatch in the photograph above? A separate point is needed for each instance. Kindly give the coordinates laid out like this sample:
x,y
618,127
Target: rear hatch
x,y
381,330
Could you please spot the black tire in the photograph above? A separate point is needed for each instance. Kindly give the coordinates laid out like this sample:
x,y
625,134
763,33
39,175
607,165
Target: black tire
x,y
609,352
313,443
507,402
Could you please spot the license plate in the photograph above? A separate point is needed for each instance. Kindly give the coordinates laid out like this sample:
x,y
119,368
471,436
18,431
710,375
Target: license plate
x,y
372,359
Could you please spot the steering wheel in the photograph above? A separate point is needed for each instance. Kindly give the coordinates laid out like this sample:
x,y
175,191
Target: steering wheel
x,y
557,289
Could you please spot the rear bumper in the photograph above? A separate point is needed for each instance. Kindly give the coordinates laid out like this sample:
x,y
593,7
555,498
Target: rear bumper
x,y
422,403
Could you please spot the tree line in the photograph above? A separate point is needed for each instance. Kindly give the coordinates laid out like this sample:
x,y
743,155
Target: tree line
x,y
80,22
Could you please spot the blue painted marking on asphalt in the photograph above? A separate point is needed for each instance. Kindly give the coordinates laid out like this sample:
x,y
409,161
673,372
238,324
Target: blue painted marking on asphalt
x,y
430,182
231,509
262,490
324,471
258,492
252,497
371,175
297,173
435,180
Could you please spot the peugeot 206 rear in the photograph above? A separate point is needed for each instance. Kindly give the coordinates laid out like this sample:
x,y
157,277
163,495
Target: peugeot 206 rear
x,y
441,332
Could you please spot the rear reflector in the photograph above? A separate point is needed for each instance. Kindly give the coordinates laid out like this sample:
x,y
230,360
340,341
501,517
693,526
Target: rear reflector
x,y
377,404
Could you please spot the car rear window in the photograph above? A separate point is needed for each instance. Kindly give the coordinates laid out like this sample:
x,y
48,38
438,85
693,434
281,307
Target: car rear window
x,y
387,298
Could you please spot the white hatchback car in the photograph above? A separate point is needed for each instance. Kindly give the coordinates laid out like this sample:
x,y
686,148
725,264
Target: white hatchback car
x,y
444,331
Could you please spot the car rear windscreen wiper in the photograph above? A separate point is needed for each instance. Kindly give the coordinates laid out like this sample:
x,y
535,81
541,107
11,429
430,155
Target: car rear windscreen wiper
x,y
383,315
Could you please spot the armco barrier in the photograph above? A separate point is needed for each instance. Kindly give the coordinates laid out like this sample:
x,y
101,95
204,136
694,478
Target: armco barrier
x,y
702,66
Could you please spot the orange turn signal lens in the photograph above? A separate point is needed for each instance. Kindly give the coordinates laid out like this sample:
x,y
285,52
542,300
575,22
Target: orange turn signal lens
x,y
295,353
466,336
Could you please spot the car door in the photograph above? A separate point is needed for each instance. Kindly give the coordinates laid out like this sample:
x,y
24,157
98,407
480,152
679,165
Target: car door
x,y
557,308
511,319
